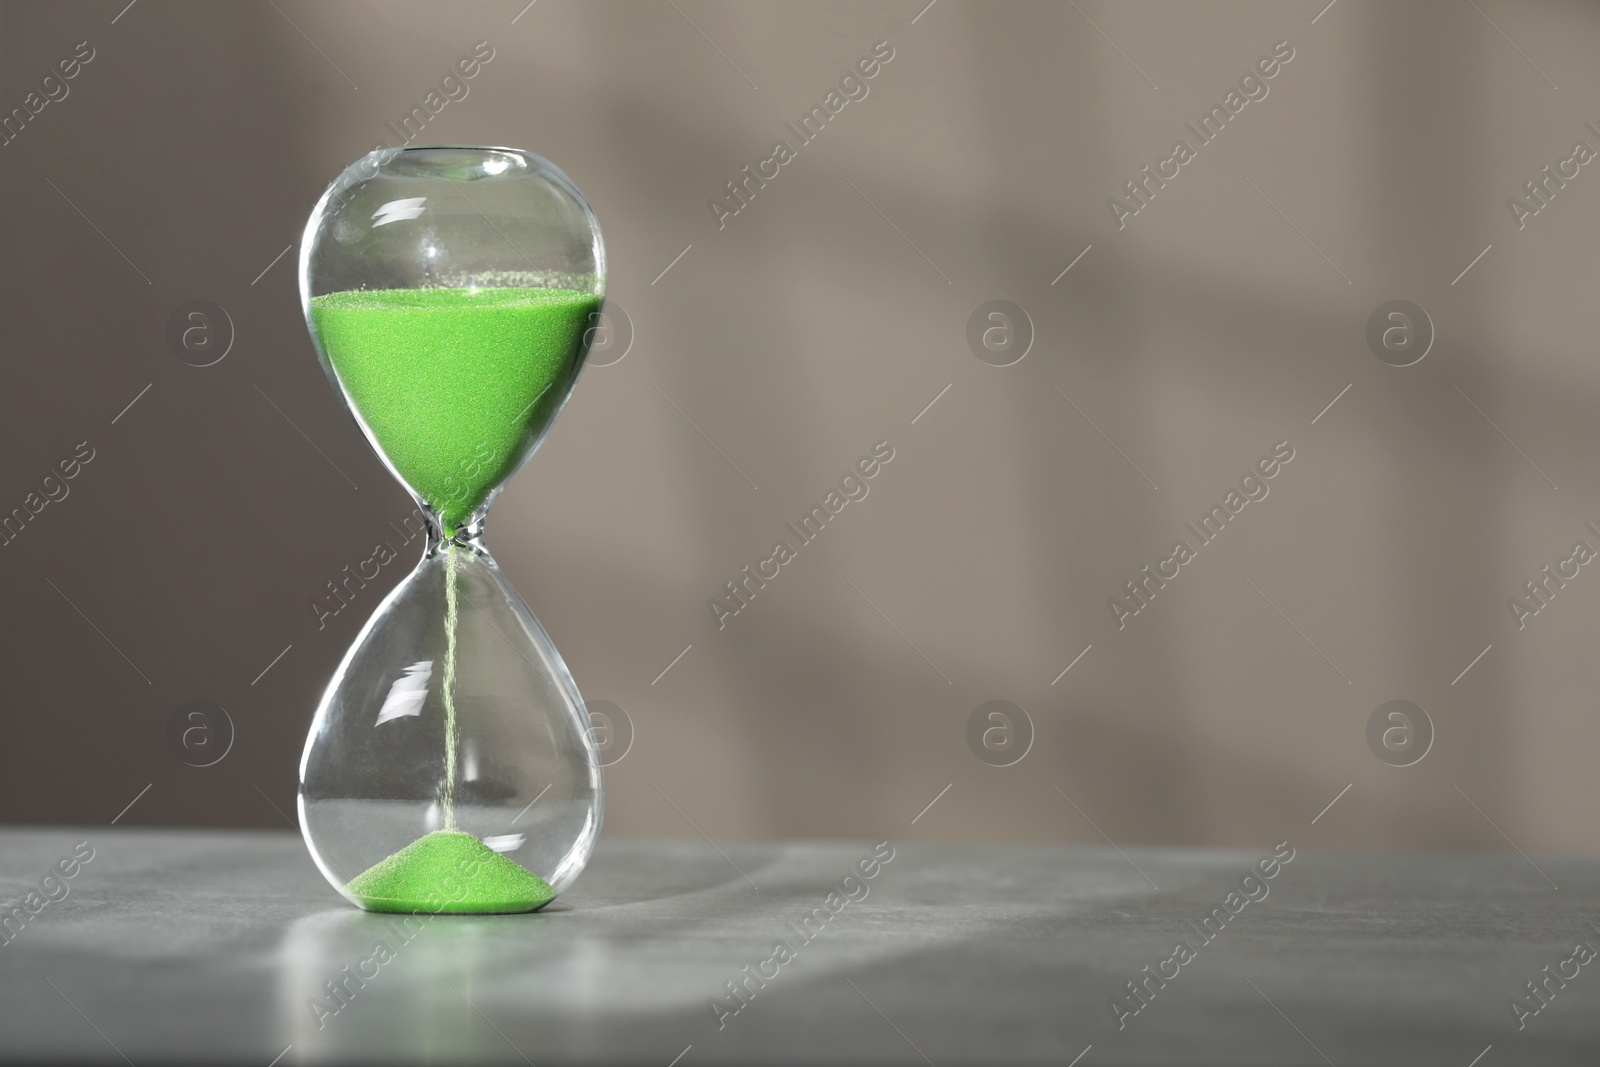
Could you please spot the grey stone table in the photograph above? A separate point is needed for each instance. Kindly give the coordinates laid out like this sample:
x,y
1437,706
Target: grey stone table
x,y
219,948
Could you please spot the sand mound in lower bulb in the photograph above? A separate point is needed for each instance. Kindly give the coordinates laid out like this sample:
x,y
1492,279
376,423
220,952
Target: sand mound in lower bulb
x,y
454,868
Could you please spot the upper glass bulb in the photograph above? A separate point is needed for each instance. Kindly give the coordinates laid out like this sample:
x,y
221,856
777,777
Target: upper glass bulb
x,y
452,292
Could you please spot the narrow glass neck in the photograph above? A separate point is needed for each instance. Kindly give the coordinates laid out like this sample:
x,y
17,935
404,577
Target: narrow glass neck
x,y
468,535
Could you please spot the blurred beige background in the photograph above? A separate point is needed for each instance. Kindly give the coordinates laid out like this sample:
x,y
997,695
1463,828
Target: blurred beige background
x,y
1220,320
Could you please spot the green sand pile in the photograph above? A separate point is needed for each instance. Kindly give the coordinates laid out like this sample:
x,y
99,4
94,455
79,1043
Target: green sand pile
x,y
454,383
449,871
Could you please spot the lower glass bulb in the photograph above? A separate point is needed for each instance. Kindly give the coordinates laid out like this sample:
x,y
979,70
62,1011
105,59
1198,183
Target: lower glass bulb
x,y
450,767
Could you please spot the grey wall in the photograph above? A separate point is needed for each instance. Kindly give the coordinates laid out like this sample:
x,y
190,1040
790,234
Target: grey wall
x,y
1178,350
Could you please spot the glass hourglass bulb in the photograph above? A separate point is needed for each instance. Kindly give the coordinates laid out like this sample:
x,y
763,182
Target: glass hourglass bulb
x,y
451,293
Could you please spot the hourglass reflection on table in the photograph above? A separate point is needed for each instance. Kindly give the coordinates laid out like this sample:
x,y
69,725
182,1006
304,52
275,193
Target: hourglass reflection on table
x,y
452,293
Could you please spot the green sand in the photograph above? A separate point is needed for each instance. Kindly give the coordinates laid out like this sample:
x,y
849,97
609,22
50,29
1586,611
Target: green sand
x,y
447,689
454,383
449,871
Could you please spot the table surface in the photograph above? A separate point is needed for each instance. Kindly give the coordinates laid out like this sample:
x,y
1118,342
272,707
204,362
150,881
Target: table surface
x,y
178,946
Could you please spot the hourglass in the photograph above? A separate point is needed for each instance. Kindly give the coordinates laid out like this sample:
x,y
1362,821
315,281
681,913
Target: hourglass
x,y
451,293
